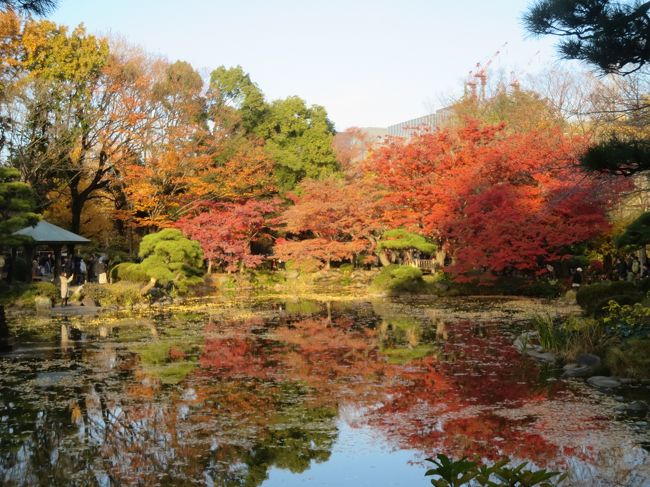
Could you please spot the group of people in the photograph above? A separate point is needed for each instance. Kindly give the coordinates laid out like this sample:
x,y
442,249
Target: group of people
x,y
631,269
627,269
84,271
43,265
77,271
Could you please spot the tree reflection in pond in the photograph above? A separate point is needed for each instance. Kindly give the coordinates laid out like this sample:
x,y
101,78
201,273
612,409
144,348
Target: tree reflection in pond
x,y
223,401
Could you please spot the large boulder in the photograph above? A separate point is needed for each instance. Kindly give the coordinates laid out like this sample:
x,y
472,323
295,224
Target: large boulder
x,y
89,302
586,365
526,341
635,408
603,382
541,356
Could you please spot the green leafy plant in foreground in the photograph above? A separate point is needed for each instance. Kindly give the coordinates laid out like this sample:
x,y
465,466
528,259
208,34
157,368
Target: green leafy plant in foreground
x,y
464,472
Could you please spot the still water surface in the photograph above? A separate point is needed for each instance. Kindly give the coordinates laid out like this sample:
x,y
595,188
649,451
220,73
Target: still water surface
x,y
276,393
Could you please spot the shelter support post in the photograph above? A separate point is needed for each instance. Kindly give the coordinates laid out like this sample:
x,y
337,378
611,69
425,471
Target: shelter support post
x,y
57,261
29,257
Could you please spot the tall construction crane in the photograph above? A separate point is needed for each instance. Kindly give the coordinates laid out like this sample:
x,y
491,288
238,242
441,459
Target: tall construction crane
x,y
478,79
514,78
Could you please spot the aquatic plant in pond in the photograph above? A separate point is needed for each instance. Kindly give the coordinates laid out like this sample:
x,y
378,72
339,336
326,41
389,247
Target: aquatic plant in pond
x,y
463,472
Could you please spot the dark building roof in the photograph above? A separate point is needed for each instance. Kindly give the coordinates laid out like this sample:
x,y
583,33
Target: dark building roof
x,y
44,233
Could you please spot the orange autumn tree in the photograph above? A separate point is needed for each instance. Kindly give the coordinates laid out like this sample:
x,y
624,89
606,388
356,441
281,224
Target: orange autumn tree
x,y
497,201
183,160
159,175
332,220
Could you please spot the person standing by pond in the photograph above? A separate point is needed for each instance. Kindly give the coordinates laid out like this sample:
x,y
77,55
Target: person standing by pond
x,y
65,280
576,279
81,278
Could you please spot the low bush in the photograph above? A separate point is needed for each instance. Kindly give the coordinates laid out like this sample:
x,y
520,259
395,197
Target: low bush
x,y
304,266
129,271
168,257
572,337
123,293
346,269
263,279
644,285
42,288
23,295
593,297
541,289
630,358
508,285
398,278
626,320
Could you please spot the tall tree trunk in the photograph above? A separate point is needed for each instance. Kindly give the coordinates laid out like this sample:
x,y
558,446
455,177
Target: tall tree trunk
x,y
4,331
383,258
77,201
441,256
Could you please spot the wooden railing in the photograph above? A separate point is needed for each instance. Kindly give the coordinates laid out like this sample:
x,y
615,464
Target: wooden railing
x,y
425,264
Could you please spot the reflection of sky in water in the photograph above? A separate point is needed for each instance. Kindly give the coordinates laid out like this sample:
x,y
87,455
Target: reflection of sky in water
x,y
360,457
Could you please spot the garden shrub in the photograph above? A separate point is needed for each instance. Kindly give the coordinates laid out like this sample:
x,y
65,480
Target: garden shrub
x,y
346,269
507,285
593,297
304,266
630,358
600,306
169,257
572,337
644,285
398,278
626,320
129,271
267,279
123,293
400,239
541,289
42,288
24,294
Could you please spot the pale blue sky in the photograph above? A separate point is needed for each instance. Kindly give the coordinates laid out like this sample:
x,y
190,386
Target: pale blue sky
x,y
369,62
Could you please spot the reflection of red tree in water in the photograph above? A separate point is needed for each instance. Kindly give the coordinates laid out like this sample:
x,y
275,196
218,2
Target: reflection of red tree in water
x,y
333,357
234,356
446,402
238,354
429,404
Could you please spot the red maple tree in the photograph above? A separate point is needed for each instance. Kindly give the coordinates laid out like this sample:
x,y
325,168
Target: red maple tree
x,y
497,201
227,230
332,220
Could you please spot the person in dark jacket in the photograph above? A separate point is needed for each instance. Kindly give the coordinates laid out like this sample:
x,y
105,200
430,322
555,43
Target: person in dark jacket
x,y
576,279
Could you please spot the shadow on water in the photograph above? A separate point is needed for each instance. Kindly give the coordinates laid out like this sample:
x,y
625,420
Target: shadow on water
x,y
265,393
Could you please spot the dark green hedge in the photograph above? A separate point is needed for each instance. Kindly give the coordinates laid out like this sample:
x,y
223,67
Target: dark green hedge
x,y
593,297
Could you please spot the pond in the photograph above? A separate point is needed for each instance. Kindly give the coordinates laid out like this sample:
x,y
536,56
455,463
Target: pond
x,y
283,393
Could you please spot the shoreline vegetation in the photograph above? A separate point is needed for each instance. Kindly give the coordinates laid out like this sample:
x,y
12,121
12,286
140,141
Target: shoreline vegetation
x,y
608,320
